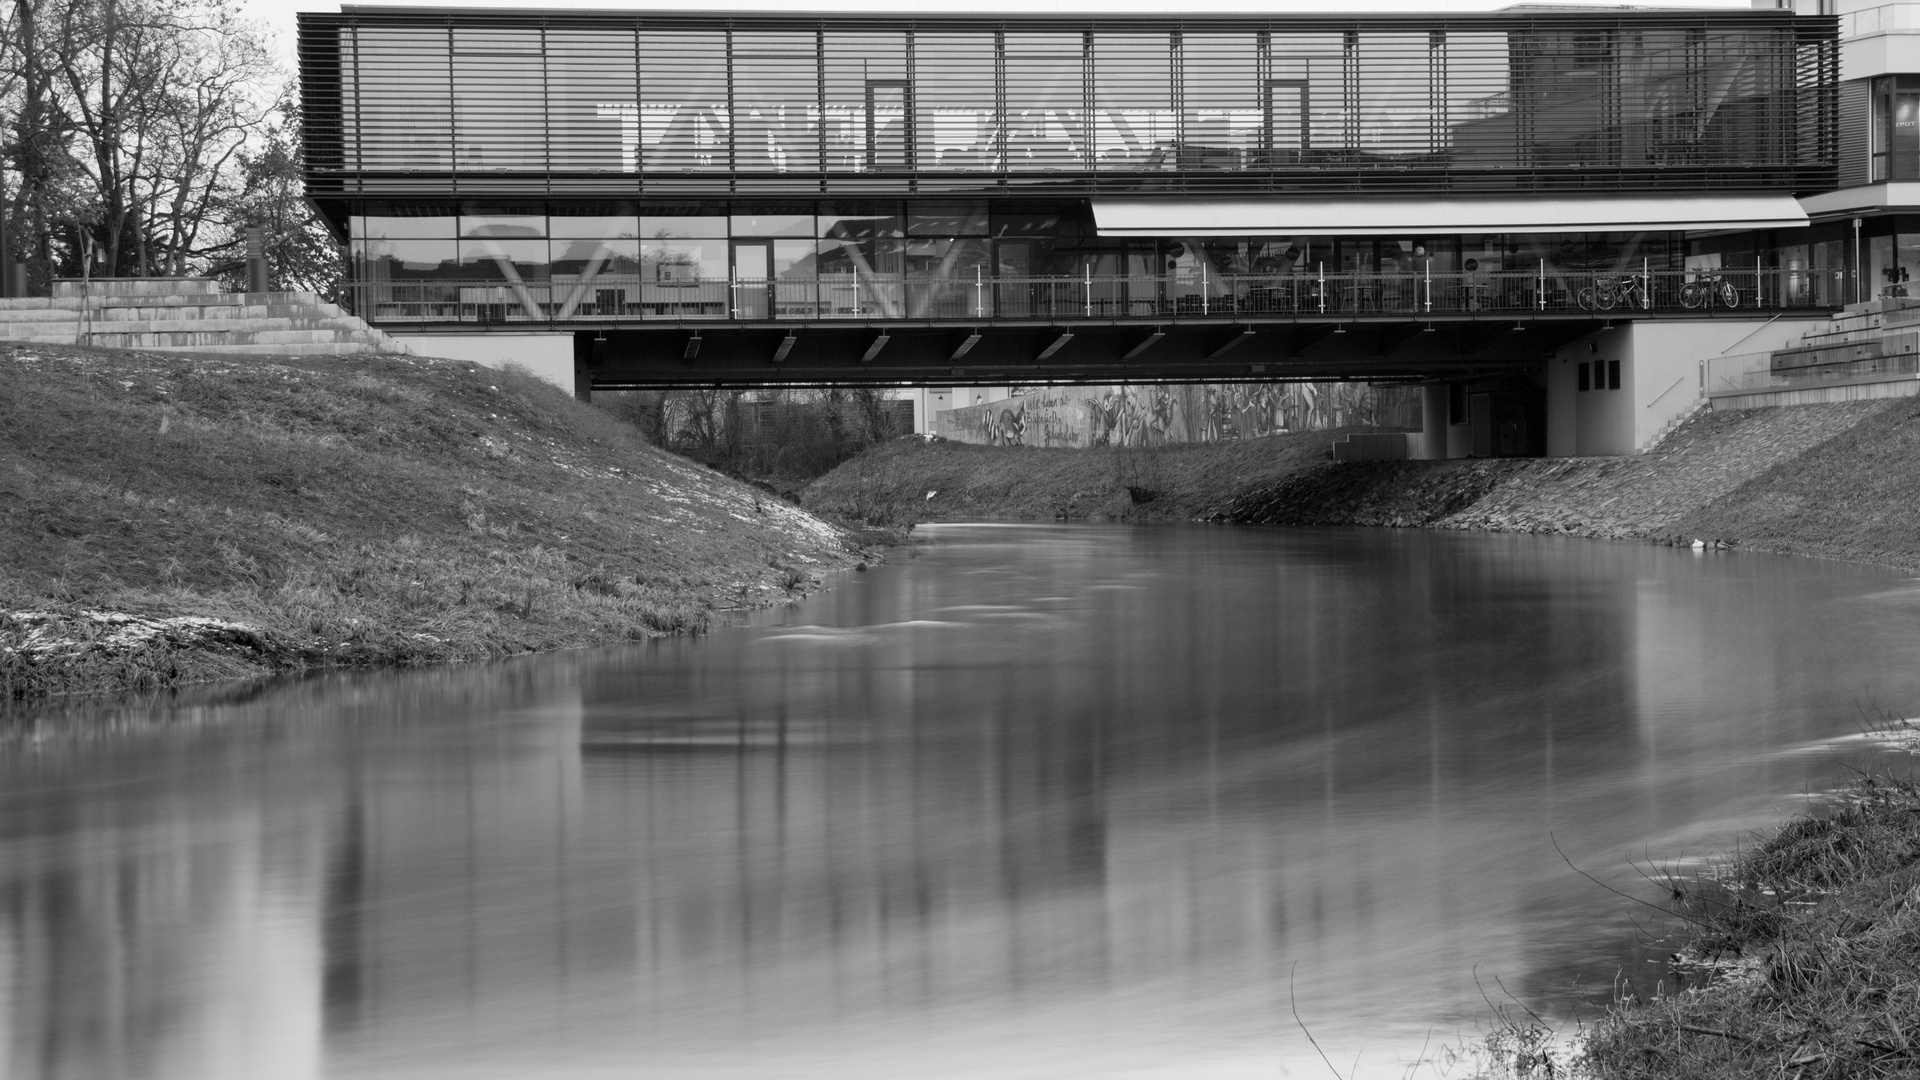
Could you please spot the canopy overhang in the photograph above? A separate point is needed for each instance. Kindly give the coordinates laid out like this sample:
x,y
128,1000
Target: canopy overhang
x,y
1426,217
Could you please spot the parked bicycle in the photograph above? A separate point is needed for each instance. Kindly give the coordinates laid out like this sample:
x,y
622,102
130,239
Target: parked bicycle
x,y
1703,291
1607,293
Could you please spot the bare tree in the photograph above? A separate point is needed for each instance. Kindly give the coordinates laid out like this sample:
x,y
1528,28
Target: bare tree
x,y
129,119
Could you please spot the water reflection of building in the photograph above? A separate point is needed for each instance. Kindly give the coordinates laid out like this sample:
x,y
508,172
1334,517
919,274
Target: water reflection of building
x,y
149,928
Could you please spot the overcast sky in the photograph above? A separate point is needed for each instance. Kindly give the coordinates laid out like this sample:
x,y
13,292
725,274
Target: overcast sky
x,y
278,14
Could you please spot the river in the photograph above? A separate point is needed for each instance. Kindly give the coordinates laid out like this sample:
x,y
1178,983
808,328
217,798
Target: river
x,y
1027,801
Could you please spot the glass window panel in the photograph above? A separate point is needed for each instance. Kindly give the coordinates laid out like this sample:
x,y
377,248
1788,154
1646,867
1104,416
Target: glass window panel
x,y
593,221
593,115
679,226
772,224
589,257
1304,109
499,110
1903,141
1134,126
397,106
848,221
480,222
794,260
683,101
1010,224
1046,102
947,277
400,259
1662,102
865,76
955,126
1559,79
503,260
432,226
776,95
1221,104
862,277
683,260
1477,109
1398,74
947,218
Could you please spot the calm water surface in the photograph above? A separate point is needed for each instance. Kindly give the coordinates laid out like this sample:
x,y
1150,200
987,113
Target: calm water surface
x,y
1027,802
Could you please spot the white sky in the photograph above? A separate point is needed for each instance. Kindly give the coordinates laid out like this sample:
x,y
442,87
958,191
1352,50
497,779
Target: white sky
x,y
278,14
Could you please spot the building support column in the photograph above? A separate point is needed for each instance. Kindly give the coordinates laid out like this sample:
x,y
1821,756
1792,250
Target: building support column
x,y
1433,422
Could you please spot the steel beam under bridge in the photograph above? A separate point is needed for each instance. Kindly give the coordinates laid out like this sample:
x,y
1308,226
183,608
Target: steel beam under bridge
x,y
948,354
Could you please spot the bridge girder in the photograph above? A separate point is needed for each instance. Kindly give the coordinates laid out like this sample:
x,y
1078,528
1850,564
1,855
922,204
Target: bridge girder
x,y
1091,351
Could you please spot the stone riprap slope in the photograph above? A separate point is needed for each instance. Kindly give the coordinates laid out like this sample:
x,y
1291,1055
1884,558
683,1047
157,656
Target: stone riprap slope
x,y
1820,479
169,517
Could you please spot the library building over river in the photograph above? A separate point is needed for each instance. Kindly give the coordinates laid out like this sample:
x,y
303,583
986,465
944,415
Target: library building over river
x,y
1569,227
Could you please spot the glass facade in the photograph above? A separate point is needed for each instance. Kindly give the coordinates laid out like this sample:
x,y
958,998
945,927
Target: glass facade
x,y
575,166
824,102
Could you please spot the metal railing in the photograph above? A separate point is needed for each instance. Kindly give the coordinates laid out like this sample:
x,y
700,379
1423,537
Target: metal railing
x,y
1541,290
1756,372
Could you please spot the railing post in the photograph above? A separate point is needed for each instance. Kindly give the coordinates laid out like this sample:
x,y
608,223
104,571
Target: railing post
x,y
1087,282
1323,288
1540,293
979,294
1646,286
1429,286
1204,309
733,294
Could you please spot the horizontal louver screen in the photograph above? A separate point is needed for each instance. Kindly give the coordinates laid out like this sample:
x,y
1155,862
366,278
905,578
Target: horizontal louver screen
x,y
1309,102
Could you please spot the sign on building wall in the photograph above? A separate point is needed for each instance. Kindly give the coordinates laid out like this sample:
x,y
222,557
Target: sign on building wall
x,y
1154,414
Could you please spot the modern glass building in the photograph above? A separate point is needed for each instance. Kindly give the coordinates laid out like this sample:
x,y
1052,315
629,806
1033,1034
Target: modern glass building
x,y
556,167
900,196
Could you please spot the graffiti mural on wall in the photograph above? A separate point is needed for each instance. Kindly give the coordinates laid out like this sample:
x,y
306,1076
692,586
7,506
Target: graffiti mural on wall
x,y
1155,414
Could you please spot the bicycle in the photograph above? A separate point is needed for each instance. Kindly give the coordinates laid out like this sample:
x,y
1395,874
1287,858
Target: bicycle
x,y
1606,293
1703,291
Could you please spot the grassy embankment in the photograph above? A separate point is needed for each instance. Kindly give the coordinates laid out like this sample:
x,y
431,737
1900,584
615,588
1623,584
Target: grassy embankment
x,y
168,518
1180,482
1800,958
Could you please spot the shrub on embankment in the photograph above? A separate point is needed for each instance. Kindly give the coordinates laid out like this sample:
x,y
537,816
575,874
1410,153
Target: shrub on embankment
x,y
968,482
168,518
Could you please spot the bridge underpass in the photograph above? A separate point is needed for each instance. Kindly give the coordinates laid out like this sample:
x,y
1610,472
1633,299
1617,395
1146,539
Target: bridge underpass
x,y
693,354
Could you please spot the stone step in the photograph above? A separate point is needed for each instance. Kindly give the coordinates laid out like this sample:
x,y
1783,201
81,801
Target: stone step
x,y
187,338
324,348
167,286
165,326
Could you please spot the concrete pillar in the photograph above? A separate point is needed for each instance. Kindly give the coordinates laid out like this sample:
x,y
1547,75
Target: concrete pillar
x,y
1433,422
257,277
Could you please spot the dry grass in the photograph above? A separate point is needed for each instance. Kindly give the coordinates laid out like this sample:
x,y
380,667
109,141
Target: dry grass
x,y
356,510
1801,960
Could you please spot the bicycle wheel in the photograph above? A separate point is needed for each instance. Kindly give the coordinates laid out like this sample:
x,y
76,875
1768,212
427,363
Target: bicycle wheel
x,y
1729,295
1604,299
1692,295
1587,299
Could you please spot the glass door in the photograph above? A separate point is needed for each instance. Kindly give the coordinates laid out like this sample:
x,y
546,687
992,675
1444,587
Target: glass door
x,y
752,279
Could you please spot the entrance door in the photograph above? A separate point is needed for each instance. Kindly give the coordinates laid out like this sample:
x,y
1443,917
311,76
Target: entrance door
x,y
752,279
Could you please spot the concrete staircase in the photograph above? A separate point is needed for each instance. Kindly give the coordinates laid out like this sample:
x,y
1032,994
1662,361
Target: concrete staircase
x,y
188,315
1692,410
